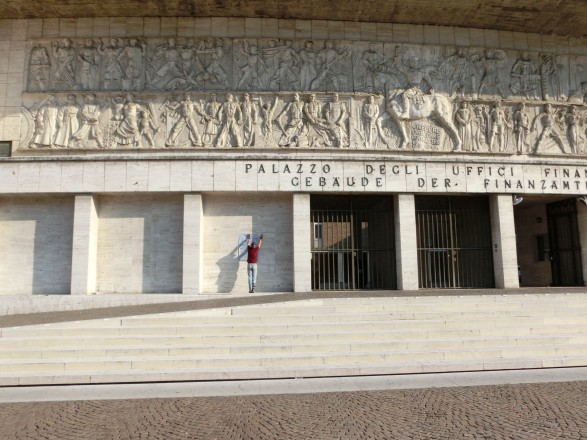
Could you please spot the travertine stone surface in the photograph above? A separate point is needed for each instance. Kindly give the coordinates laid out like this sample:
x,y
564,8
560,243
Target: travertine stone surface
x,y
84,246
503,235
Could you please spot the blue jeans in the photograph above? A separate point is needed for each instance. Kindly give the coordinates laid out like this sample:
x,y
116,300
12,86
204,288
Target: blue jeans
x,y
252,273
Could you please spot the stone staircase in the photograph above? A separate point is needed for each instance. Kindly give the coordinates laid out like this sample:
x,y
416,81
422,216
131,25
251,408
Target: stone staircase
x,y
307,338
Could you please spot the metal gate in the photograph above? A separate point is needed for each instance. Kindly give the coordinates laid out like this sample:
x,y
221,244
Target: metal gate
x,y
454,242
353,243
565,248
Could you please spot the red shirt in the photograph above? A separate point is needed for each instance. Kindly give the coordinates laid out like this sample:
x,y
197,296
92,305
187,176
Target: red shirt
x,y
252,256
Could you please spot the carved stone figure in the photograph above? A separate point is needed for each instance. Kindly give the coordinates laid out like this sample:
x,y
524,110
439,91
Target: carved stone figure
x,y
186,112
40,68
459,73
250,71
211,118
89,62
249,120
112,71
166,64
330,76
550,76
45,117
308,71
65,68
490,84
319,129
267,112
375,67
90,122
521,128
337,117
412,104
572,121
283,58
295,128
372,122
479,128
548,121
463,122
232,117
67,123
127,132
211,54
148,126
498,125
525,77
132,57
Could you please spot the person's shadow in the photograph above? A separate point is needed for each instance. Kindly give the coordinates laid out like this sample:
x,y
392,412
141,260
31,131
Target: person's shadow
x,y
229,265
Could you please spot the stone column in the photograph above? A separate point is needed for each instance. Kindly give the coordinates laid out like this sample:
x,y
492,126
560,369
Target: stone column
x,y
302,251
406,243
85,246
582,225
503,236
193,243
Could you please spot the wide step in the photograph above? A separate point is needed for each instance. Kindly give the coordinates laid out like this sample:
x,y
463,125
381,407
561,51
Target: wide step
x,y
335,336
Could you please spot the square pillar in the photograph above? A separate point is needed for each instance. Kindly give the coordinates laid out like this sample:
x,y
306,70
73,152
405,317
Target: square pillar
x,y
302,238
582,226
406,242
193,243
85,246
503,236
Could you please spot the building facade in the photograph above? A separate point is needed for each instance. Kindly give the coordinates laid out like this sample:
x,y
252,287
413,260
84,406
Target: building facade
x,y
140,151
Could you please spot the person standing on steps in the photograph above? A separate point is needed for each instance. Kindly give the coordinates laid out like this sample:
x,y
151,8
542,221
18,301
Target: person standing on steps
x,y
252,251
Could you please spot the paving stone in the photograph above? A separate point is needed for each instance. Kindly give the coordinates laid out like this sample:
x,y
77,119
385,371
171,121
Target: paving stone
x,y
513,412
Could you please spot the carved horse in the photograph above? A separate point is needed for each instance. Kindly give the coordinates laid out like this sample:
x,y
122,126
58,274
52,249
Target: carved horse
x,y
423,106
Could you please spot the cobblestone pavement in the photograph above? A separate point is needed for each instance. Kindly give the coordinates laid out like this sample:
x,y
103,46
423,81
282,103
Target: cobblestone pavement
x,y
529,411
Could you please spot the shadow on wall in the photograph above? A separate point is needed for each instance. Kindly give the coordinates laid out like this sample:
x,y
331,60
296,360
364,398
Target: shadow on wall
x,y
228,267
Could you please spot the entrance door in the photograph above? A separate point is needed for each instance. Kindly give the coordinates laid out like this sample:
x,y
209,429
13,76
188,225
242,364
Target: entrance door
x,y
565,250
353,243
454,242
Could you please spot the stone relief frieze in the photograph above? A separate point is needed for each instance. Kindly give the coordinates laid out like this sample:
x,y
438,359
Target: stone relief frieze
x,y
412,120
287,65
168,93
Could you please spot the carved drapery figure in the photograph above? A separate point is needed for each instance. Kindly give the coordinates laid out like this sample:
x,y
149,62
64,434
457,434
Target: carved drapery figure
x,y
90,122
479,128
45,117
463,121
250,71
166,64
89,61
112,72
283,59
67,123
521,128
132,58
375,67
490,63
127,132
211,119
572,121
249,120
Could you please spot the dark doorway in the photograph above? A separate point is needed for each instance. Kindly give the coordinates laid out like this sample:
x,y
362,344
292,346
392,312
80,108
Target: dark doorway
x,y
454,242
565,248
353,243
